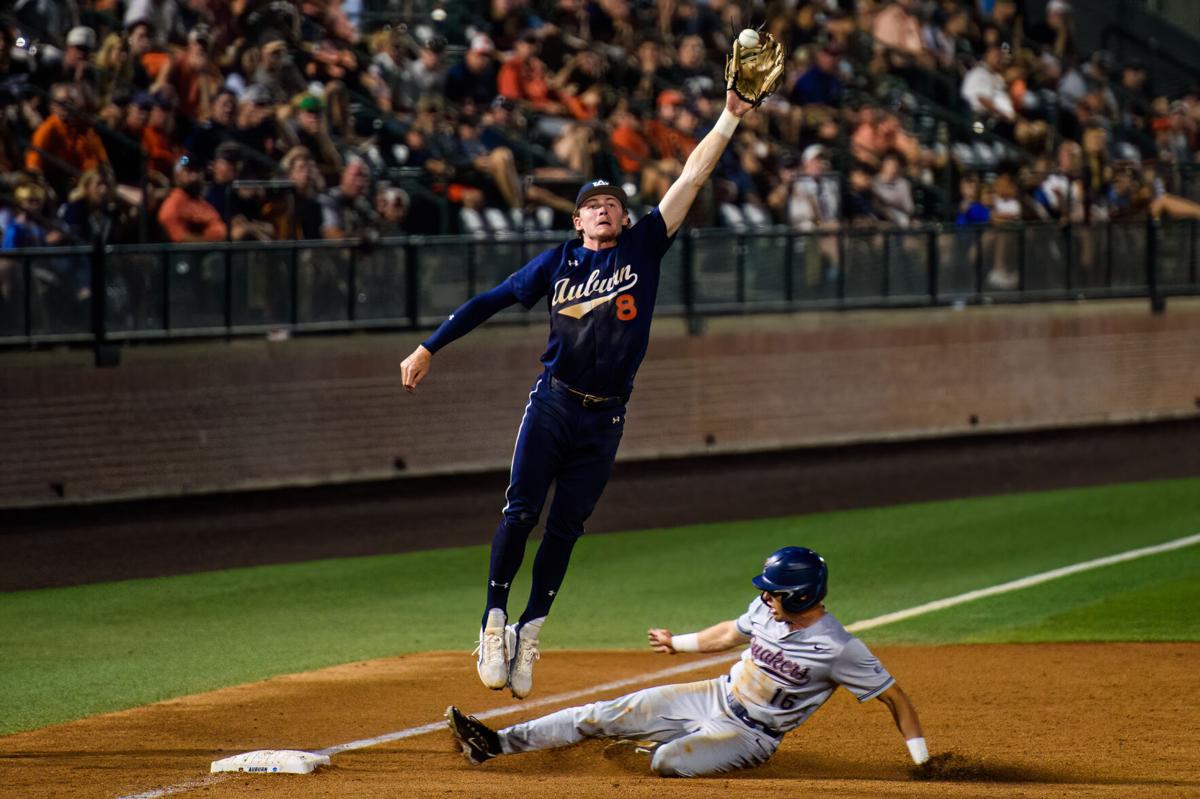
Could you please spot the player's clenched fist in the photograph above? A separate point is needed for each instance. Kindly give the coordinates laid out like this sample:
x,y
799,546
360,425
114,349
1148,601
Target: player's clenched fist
x,y
414,368
660,641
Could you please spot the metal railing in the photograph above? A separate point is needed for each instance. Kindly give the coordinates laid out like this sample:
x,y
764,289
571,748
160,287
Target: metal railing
x,y
102,295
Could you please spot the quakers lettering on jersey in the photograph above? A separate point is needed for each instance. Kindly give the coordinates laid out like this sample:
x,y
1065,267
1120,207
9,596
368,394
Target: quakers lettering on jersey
x,y
787,674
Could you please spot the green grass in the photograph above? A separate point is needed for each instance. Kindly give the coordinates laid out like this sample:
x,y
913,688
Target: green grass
x,y
68,653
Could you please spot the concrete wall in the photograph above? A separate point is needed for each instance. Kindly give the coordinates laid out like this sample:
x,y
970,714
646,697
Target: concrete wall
x,y
212,416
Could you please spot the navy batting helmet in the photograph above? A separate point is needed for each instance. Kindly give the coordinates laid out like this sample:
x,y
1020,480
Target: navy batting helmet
x,y
798,573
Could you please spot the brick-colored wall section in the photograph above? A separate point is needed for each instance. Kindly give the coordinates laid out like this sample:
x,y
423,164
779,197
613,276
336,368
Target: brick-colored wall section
x,y
213,416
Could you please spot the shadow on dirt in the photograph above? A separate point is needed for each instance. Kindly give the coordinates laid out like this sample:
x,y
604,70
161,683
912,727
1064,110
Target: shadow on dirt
x,y
953,767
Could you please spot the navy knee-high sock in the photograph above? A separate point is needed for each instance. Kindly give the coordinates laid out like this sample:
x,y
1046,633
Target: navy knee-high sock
x,y
549,569
508,550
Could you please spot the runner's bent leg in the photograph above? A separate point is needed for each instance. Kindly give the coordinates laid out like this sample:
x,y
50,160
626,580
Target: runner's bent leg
x,y
662,713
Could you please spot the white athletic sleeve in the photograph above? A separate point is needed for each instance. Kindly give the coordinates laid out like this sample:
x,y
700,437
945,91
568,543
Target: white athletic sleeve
x,y
860,671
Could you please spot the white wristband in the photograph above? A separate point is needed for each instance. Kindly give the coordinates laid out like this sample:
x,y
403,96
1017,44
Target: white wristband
x,y
918,750
689,642
727,124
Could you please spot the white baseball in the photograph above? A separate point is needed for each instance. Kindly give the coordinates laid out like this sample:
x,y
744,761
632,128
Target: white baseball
x,y
748,38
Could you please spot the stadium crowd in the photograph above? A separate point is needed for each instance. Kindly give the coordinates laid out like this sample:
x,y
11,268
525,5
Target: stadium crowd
x,y
213,120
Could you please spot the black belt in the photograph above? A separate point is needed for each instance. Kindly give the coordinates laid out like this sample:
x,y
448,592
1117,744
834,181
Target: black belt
x,y
739,710
589,401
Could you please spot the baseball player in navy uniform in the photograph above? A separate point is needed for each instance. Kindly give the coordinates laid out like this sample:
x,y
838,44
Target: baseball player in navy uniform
x,y
798,655
600,290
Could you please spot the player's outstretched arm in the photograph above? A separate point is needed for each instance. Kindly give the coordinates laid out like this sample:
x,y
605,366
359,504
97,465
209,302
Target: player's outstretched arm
x,y
905,716
473,313
700,164
717,638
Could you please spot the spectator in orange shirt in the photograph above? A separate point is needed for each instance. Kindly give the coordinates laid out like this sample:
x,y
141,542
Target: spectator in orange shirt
x,y
194,76
668,142
523,78
185,215
64,145
629,145
158,137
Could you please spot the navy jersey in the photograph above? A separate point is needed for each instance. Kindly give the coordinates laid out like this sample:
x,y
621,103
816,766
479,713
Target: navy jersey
x,y
600,302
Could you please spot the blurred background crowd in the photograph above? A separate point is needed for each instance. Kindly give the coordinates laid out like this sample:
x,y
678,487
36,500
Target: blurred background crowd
x,y
213,120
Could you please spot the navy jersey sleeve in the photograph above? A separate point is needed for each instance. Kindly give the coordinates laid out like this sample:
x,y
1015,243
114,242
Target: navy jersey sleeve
x,y
532,281
649,236
471,315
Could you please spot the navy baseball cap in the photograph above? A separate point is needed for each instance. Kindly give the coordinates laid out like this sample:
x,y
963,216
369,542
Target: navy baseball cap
x,y
596,187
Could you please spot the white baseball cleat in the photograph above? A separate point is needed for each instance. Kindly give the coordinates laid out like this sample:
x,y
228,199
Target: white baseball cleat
x,y
520,674
493,652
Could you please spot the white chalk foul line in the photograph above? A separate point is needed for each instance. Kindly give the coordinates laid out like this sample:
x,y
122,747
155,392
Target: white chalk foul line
x,y
1024,582
695,665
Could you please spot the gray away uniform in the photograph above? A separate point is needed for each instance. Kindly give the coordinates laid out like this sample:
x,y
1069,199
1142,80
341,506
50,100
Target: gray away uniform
x,y
730,722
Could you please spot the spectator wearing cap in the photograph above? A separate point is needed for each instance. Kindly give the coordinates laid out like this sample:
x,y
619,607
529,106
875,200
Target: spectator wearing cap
x,y
347,211
668,142
820,84
278,72
81,43
523,78
224,169
64,145
158,137
307,128
194,77
240,208
185,215
814,198
474,78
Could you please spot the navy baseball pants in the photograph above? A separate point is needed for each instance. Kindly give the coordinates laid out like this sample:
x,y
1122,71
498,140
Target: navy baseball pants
x,y
562,442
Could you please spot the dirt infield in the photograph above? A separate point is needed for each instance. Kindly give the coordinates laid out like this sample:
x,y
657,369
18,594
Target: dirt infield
x,y
1113,720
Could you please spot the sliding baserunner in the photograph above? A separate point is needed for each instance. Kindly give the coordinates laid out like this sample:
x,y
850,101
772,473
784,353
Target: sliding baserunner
x,y
799,654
